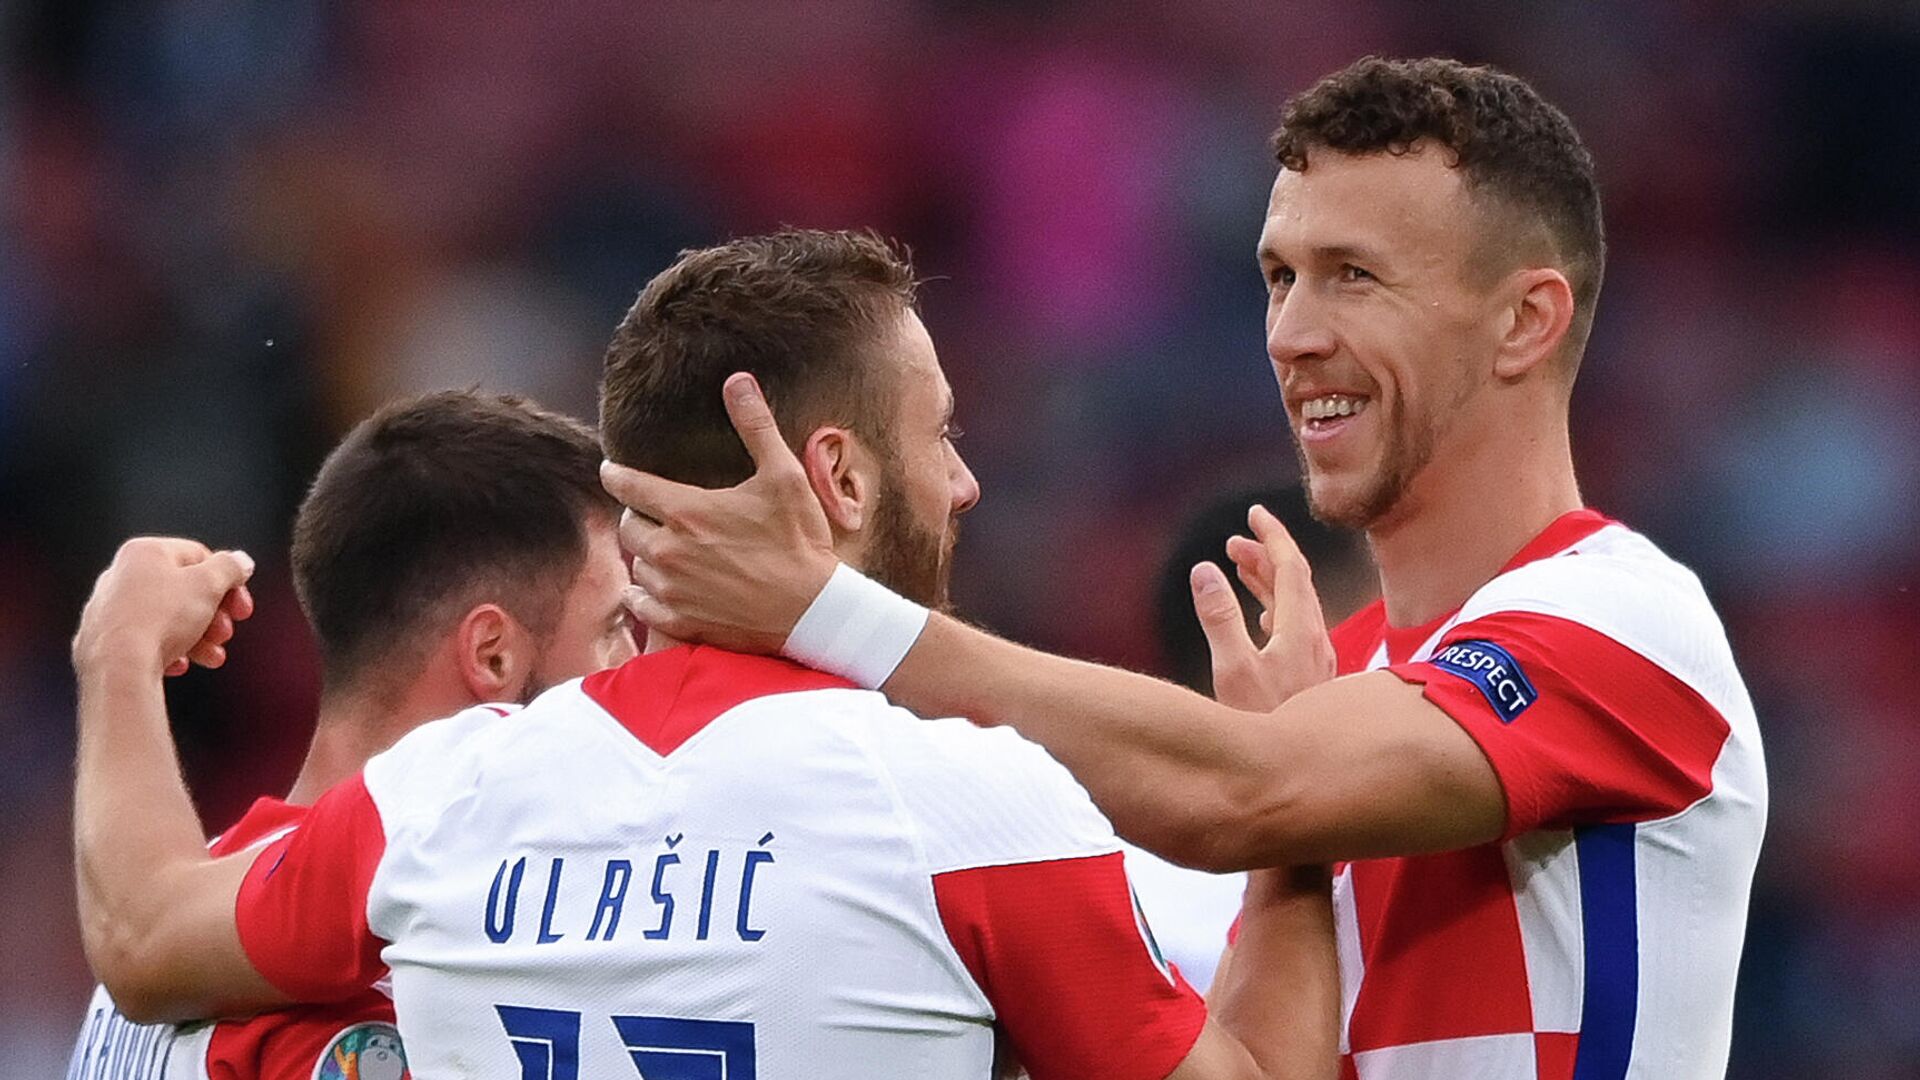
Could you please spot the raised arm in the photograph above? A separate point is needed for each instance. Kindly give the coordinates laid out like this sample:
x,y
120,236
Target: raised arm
x,y
156,911
1358,767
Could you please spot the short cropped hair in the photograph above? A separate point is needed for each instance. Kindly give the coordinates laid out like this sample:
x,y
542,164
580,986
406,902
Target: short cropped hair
x,y
802,310
1514,150
434,504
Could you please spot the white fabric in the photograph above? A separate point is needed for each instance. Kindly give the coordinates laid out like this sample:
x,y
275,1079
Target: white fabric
x,y
111,1047
1693,870
859,804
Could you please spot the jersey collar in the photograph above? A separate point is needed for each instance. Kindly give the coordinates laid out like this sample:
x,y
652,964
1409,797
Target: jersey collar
x,y
1562,533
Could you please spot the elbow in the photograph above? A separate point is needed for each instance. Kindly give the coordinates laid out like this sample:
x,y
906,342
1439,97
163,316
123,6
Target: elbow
x,y
129,966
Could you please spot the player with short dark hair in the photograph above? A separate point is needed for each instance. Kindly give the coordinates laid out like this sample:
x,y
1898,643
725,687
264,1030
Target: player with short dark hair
x,y
1541,774
703,862
454,549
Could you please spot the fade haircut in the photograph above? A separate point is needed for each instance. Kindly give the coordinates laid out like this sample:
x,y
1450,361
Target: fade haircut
x,y
434,504
805,311
1517,154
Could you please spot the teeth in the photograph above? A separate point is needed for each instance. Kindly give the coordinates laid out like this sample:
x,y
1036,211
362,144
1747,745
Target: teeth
x,y
1331,406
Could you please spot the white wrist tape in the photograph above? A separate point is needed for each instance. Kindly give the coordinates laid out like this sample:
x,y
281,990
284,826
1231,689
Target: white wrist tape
x,y
856,628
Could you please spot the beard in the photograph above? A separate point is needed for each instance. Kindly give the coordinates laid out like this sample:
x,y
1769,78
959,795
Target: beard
x,y
905,555
1407,450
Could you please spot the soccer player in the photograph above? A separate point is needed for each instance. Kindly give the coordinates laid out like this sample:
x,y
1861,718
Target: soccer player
x,y
1542,771
699,863
455,549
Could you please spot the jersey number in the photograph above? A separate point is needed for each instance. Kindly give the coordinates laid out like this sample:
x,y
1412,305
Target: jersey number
x,y
547,1042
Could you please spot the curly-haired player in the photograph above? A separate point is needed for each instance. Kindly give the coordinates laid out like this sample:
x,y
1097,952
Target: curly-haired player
x,y
1541,775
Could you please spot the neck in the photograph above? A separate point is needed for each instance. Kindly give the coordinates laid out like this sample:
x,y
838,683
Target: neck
x,y
355,725
659,642
1457,526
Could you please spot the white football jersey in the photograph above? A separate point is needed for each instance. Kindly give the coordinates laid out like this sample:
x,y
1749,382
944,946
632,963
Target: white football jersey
x,y
704,864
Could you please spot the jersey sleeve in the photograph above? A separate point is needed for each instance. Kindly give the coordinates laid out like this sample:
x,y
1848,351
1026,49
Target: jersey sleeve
x,y
1580,728
1032,894
302,908
1061,951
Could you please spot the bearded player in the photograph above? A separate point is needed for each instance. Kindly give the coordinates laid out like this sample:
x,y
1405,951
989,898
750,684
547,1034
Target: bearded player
x,y
1542,772
454,549
700,862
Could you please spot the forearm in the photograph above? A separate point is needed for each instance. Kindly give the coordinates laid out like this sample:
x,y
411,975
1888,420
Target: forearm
x,y
1174,771
1280,998
136,836
1359,767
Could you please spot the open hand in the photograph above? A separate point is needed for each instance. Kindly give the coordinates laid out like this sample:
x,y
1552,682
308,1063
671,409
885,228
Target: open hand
x,y
736,567
1297,653
167,602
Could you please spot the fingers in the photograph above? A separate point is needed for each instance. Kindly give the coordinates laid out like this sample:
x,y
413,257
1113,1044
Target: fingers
x,y
225,571
1292,577
238,604
644,493
208,656
649,612
636,532
1254,565
1275,538
753,419
1220,617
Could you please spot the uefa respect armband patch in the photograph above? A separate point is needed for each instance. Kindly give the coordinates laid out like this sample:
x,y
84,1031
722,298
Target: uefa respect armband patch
x,y
1492,669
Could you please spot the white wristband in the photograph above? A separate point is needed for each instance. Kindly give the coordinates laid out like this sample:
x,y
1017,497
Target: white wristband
x,y
856,628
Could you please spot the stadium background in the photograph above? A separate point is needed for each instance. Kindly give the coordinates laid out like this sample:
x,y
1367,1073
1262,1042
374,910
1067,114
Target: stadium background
x,y
231,228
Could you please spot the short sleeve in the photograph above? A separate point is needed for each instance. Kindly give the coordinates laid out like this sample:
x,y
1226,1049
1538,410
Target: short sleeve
x,y
1580,728
302,909
1061,951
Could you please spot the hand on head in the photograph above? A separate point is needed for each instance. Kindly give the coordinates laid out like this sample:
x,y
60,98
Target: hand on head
x,y
167,601
1297,653
734,567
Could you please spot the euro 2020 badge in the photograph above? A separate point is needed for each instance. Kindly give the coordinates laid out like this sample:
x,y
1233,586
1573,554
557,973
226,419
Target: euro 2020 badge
x,y
369,1051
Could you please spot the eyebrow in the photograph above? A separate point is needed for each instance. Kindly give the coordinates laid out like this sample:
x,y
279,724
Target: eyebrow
x,y
1323,252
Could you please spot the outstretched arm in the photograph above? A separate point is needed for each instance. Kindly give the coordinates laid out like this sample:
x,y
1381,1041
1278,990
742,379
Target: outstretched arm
x,y
156,911
1358,767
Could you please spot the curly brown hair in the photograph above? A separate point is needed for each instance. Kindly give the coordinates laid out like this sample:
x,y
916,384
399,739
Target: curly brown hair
x,y
1514,150
801,309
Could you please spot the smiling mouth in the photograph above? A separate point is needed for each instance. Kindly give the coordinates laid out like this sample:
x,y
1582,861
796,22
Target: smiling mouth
x,y
1329,411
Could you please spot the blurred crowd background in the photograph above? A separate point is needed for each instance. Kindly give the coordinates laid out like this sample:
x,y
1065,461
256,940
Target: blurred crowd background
x,y
231,228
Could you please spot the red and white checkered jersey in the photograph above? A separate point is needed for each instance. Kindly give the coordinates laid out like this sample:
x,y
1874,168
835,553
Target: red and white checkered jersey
x,y
708,864
350,1039
1599,939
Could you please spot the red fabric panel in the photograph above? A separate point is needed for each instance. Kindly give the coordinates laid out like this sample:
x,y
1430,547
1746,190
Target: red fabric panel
x,y
1057,950
288,1044
664,698
1611,737
1440,941
302,910
1554,1053
1357,637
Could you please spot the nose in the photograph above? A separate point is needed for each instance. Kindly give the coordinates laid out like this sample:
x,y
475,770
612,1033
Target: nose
x,y
965,489
1297,328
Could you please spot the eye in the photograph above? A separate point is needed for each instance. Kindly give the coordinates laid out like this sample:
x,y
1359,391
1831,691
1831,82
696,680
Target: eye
x,y
1351,273
1280,277
951,432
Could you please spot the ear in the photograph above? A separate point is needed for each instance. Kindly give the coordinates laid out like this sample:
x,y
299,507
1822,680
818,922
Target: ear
x,y
1541,311
837,469
494,654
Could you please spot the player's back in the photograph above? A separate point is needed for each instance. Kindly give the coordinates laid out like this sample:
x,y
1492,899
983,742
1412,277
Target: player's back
x,y
703,858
